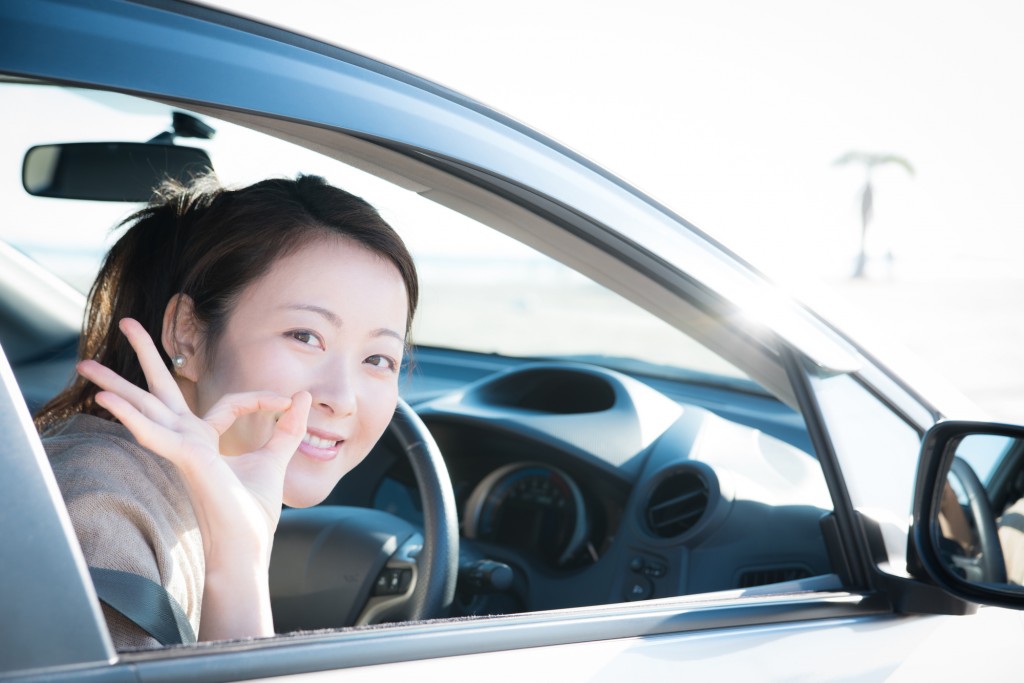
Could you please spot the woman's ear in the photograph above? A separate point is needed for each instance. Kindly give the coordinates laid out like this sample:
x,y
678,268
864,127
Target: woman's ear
x,y
180,336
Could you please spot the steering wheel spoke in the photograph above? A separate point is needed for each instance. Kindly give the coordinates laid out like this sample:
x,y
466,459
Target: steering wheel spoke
x,y
395,584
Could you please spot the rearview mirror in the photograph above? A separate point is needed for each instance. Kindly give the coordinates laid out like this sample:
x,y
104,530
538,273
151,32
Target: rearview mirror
x,y
108,171
968,528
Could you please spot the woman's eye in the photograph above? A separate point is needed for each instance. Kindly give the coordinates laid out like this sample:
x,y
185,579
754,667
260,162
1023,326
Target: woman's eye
x,y
382,362
307,337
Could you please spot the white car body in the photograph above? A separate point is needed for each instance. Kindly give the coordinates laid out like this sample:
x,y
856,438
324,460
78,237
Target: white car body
x,y
868,620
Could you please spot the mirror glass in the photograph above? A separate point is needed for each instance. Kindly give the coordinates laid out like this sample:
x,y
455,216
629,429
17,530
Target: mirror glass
x,y
108,171
981,514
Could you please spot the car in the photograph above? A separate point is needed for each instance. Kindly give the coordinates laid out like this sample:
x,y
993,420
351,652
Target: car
x,y
621,450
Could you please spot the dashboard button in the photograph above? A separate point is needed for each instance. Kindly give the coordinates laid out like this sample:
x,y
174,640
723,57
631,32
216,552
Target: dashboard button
x,y
392,581
638,588
655,570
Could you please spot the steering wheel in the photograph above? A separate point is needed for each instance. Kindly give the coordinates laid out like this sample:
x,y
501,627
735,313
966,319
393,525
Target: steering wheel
x,y
335,566
991,564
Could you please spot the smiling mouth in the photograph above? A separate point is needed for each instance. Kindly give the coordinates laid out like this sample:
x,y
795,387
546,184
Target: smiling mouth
x,y
317,442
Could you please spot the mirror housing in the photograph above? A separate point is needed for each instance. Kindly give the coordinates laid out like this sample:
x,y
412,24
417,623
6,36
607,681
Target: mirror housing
x,y
108,171
945,451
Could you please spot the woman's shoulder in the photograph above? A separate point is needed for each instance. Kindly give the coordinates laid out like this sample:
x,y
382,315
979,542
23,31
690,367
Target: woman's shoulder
x,y
83,428
130,511
86,441
91,456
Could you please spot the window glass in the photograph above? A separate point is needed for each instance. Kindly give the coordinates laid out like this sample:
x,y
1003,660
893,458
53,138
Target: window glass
x,y
983,452
877,452
745,470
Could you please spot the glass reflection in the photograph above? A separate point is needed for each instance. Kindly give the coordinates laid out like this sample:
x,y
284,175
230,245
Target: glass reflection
x,y
981,516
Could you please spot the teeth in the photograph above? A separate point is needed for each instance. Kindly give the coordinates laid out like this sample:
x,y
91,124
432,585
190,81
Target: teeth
x,y
317,442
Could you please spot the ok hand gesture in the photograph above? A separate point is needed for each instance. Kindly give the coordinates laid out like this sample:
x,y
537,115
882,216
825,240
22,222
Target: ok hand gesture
x,y
237,499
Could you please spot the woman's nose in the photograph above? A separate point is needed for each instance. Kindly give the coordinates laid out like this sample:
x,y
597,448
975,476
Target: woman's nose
x,y
335,392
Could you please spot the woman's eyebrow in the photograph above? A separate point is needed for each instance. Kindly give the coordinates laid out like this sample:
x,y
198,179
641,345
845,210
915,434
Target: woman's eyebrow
x,y
387,332
329,316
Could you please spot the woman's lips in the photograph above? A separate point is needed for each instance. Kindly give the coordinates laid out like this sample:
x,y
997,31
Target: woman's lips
x,y
320,446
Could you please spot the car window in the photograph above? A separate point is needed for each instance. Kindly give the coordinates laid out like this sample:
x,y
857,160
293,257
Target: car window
x,y
630,450
877,451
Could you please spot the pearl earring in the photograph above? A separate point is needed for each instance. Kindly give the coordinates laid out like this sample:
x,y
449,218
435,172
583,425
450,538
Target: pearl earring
x,y
179,361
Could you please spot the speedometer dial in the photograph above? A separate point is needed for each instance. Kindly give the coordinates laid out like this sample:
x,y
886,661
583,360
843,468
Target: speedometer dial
x,y
530,507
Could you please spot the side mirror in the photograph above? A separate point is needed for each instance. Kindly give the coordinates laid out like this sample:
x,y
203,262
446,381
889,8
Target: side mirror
x,y
968,530
108,171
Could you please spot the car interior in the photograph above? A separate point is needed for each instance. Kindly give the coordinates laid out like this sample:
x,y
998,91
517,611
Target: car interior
x,y
600,448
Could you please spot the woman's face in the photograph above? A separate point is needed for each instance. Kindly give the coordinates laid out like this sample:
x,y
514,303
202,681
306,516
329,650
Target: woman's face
x,y
329,319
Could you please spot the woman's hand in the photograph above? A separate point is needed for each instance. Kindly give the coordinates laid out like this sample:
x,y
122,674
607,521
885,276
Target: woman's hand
x,y
237,499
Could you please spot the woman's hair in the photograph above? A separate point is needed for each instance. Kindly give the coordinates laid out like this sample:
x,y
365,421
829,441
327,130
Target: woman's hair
x,y
211,243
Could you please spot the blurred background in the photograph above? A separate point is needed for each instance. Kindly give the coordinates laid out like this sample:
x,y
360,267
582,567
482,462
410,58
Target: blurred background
x,y
867,156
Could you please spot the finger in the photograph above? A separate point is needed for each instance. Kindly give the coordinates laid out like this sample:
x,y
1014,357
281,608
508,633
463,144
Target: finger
x,y
290,429
157,438
232,406
158,377
139,398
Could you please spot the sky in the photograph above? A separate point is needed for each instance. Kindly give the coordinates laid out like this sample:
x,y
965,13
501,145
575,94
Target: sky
x,y
733,113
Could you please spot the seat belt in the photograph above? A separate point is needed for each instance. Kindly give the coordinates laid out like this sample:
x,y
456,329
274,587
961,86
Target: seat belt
x,y
145,603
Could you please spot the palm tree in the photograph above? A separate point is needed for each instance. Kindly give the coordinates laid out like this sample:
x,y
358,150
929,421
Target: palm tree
x,y
870,161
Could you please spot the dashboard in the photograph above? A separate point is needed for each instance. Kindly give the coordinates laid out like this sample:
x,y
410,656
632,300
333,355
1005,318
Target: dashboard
x,y
584,485
594,487
588,486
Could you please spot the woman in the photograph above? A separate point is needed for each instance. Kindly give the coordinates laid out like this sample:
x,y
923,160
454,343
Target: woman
x,y
241,350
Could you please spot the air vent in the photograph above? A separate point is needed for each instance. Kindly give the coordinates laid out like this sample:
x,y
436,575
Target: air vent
x,y
677,504
765,576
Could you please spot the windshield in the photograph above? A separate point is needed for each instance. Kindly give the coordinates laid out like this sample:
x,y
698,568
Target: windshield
x,y
482,292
